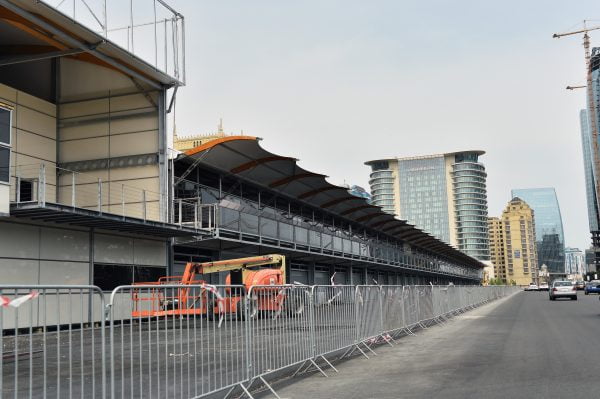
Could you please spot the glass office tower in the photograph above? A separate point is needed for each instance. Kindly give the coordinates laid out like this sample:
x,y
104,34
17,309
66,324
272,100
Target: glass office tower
x,y
549,234
443,194
588,167
423,198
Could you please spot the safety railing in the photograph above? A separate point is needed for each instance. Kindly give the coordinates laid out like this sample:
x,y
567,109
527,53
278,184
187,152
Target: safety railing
x,y
150,29
293,232
193,213
48,184
190,341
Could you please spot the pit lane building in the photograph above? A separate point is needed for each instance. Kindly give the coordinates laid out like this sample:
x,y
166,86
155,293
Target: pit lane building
x,y
247,200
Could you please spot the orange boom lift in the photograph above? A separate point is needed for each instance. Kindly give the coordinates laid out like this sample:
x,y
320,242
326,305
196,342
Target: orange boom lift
x,y
196,297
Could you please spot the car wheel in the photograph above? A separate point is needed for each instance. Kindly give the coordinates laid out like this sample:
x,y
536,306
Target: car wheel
x,y
574,298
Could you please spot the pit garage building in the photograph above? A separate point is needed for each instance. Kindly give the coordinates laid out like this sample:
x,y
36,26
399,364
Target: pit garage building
x,y
246,200
84,175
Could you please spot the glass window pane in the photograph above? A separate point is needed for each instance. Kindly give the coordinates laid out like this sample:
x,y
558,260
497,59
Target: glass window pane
x,y
108,277
4,164
4,126
144,274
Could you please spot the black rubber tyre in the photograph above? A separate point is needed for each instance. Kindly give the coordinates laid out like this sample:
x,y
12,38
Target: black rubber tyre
x,y
586,293
574,298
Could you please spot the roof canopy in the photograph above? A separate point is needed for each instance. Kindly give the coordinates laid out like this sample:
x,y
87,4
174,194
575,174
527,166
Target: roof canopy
x,y
244,157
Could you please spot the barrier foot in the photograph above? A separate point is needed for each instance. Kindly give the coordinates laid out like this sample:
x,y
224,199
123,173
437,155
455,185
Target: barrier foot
x,y
228,393
409,331
390,338
350,351
300,368
387,338
354,347
270,387
246,391
318,368
328,362
367,346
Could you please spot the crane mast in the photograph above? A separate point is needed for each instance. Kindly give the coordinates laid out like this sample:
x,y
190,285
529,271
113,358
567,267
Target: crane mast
x,y
592,107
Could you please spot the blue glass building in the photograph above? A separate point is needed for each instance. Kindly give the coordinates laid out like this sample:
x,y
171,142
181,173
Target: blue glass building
x,y
588,167
549,235
586,117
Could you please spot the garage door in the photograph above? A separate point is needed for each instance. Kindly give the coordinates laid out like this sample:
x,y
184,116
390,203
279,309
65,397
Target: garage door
x,y
322,276
299,273
358,278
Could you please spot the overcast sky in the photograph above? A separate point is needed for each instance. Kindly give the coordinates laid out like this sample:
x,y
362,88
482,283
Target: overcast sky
x,y
338,83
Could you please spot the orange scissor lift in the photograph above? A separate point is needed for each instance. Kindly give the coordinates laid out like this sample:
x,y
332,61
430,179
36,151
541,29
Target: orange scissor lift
x,y
196,297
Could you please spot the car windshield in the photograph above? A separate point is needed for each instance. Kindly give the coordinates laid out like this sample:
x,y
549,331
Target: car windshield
x,y
563,284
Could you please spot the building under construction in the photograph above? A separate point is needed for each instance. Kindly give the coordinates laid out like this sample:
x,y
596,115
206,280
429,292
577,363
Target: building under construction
x,y
87,194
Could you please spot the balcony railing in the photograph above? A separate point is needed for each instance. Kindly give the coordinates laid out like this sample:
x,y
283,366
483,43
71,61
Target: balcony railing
x,y
45,183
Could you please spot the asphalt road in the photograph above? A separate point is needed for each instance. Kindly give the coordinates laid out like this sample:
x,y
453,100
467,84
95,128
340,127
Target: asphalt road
x,y
524,346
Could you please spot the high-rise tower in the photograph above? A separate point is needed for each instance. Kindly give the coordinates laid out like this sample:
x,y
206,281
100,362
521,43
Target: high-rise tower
x,y
443,194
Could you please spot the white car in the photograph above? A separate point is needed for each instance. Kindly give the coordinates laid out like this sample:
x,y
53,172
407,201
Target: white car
x,y
544,287
532,287
563,289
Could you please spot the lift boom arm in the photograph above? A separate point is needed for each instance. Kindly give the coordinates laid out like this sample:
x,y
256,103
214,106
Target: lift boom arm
x,y
191,269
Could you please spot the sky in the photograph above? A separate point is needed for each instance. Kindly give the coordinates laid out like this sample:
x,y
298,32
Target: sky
x,y
338,83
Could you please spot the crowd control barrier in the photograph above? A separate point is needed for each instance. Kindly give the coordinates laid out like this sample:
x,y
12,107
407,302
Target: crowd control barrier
x,y
192,341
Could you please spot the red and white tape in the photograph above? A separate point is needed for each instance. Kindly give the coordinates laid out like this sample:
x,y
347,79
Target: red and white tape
x,y
220,300
16,302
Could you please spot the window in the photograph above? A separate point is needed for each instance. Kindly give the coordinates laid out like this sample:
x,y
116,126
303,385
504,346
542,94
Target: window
x,y
4,164
25,190
110,276
5,115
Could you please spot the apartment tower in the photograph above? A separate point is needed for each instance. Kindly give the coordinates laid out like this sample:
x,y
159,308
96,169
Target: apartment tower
x,y
515,232
497,247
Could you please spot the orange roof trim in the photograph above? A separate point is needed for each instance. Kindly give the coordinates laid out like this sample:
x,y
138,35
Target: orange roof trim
x,y
216,142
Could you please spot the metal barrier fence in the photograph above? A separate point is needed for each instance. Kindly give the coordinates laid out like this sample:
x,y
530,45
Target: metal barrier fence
x,y
191,341
53,342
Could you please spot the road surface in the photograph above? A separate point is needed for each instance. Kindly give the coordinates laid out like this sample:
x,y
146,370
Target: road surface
x,y
524,346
